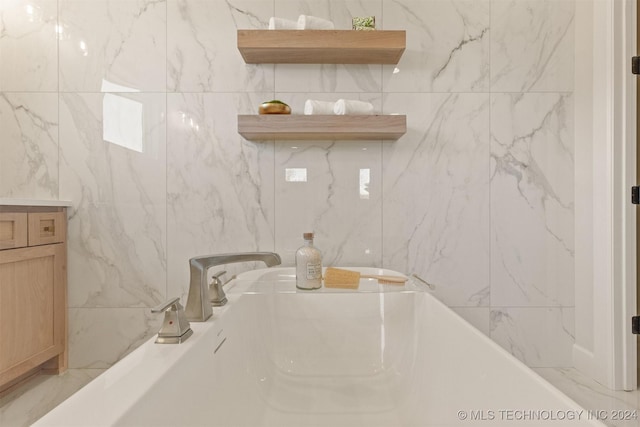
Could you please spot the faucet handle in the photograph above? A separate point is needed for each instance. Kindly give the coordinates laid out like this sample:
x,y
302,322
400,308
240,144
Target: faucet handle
x,y
216,293
166,305
217,275
175,327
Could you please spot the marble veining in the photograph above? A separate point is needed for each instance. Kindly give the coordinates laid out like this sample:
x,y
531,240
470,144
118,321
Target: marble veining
x,y
106,42
532,46
99,337
447,46
117,227
436,194
329,77
219,187
202,53
476,198
339,200
540,337
595,397
29,145
532,200
28,45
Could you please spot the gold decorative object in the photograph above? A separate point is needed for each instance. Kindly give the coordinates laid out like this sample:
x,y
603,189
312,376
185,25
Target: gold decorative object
x,y
274,107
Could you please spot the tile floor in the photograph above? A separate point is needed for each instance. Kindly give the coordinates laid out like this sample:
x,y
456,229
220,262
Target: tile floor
x,y
28,403
594,397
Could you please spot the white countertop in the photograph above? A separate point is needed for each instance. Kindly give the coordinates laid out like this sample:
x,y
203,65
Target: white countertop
x,y
35,202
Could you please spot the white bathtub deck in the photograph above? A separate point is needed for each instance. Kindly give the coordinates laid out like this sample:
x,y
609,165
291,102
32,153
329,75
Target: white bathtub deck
x,y
384,357
30,402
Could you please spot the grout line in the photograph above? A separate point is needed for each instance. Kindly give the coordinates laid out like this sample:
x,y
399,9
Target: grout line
x,y
58,89
166,151
382,110
382,237
489,174
275,173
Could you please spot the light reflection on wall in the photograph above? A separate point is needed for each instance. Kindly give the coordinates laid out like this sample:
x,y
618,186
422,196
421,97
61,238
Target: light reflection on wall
x,y
189,121
61,32
122,118
83,48
365,180
295,174
122,122
34,13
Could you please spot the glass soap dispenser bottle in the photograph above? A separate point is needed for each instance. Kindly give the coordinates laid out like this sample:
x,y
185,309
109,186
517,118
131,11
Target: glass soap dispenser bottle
x,y
308,265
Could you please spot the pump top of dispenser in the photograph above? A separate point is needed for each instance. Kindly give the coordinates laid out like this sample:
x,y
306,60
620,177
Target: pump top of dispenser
x,y
307,236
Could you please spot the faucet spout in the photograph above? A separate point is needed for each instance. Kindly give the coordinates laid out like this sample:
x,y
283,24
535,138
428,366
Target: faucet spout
x,y
198,305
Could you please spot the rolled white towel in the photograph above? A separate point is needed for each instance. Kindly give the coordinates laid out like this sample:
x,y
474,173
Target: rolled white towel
x,y
311,106
348,106
282,24
306,22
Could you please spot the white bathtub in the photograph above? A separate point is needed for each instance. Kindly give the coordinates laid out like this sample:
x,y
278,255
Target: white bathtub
x,y
273,356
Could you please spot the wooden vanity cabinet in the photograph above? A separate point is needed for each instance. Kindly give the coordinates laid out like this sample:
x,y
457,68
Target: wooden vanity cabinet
x,y
13,230
33,292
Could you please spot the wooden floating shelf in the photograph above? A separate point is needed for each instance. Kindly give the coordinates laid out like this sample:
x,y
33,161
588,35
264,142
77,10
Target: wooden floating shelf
x,y
321,46
299,127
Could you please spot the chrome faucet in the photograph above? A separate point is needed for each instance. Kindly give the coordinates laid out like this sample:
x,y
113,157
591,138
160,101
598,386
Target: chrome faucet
x,y
198,304
175,328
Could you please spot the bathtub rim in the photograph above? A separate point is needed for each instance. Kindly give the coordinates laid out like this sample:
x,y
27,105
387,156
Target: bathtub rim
x,y
121,378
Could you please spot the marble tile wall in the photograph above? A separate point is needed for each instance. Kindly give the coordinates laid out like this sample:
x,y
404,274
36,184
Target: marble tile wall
x,y
128,108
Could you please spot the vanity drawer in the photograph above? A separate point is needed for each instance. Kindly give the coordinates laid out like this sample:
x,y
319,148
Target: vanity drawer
x,y
46,228
13,230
